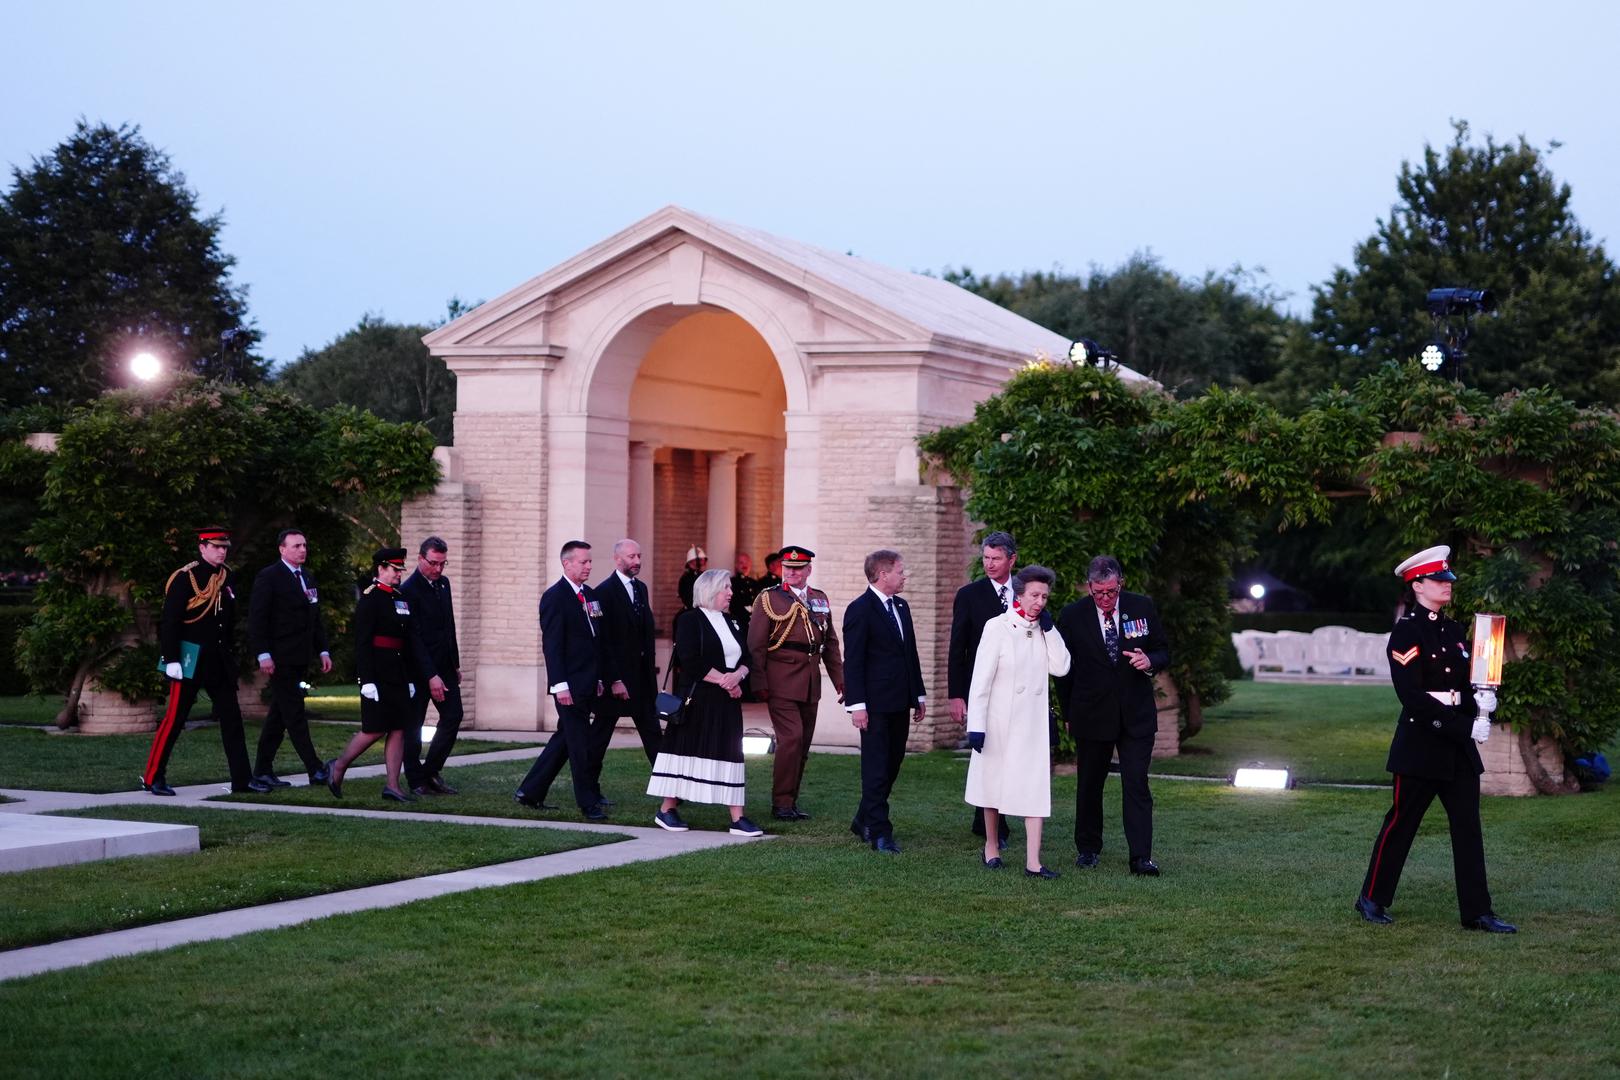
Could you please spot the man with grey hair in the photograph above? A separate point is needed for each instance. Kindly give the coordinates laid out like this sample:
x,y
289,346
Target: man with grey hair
x,y
1116,645
977,603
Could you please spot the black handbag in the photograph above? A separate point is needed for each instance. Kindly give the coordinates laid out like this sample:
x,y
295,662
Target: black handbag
x,y
669,708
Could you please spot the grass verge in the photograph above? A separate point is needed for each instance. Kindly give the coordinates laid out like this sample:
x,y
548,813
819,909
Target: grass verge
x,y
247,859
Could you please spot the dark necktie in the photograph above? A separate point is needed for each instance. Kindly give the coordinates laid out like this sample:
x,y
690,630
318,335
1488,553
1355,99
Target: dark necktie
x,y
1001,594
889,603
1111,638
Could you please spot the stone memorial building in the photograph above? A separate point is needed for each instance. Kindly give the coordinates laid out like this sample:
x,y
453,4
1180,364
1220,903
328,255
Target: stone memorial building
x,y
689,381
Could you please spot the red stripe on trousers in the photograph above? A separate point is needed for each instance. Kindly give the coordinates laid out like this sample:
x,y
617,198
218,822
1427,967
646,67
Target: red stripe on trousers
x,y
155,756
1378,856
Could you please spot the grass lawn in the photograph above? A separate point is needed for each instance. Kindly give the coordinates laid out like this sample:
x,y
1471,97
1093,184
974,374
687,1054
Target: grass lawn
x,y
810,955
247,859
27,709
1335,733
49,761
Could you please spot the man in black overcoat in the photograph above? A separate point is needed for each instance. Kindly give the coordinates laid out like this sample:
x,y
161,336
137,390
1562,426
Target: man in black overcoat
x,y
1116,645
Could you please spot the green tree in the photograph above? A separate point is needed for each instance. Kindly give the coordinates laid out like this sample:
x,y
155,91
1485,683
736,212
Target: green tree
x,y
133,474
382,367
1188,334
1483,217
103,253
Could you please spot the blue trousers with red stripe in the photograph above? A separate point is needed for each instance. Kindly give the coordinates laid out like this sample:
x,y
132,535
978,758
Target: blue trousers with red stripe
x,y
1413,794
216,675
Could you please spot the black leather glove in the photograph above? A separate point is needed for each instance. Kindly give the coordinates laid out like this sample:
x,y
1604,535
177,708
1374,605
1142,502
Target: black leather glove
x,y
976,740
1046,620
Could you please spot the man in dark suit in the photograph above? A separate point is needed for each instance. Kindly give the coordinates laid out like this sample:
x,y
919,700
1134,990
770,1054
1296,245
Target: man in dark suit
x,y
627,621
286,633
427,591
1116,645
977,603
883,688
579,666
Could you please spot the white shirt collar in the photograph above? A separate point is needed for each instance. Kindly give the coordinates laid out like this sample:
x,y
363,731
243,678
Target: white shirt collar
x,y
629,585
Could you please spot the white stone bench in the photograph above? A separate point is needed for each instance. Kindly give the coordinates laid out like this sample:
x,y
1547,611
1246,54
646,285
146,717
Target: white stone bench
x,y
1326,654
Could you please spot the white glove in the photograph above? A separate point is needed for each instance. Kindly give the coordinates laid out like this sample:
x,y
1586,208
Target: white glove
x,y
1486,700
1482,730
369,691
174,671
410,689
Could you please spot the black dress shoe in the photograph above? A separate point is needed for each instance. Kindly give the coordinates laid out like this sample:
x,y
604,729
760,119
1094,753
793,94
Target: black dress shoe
x,y
531,802
800,814
594,813
257,786
319,775
1373,913
1087,860
1490,924
1144,868
1043,873
436,782
394,795
157,787
862,833
993,863
334,782
605,803
784,813
886,845
423,789
272,779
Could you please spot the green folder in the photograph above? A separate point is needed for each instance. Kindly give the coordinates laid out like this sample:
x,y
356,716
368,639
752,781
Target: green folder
x,y
189,651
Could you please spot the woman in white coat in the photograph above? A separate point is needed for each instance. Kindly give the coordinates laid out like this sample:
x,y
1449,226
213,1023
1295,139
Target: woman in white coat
x,y
1010,769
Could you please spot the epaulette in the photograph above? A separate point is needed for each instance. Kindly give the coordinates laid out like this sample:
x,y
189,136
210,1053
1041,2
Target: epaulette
x,y
190,566
367,590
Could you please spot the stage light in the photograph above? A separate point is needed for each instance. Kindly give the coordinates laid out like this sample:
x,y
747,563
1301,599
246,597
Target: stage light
x,y
1258,591
1433,356
145,366
427,734
1454,301
1086,351
756,741
1263,779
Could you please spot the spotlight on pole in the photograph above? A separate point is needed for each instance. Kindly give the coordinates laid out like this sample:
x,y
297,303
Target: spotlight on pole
x,y
1433,357
145,366
1454,301
1088,352
1450,309
1257,591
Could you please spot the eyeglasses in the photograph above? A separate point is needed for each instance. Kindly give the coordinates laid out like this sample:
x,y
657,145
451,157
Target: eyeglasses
x,y
1103,594
435,562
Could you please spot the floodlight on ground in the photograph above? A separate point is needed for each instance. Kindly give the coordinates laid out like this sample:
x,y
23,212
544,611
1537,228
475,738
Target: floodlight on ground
x,y
1258,591
1433,356
428,731
757,741
145,366
1088,352
1262,778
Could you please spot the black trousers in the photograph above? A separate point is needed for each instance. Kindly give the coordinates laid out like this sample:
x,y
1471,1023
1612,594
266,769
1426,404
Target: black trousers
x,y
417,768
883,750
639,708
1413,794
216,674
286,718
1091,758
570,745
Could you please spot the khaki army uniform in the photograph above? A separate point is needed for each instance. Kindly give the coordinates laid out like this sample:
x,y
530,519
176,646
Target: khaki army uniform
x,y
789,641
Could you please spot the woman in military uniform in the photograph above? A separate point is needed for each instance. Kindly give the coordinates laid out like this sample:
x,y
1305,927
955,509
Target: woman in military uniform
x,y
1434,751
387,653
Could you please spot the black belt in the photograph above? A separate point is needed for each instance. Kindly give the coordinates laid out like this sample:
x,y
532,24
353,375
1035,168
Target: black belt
x,y
799,646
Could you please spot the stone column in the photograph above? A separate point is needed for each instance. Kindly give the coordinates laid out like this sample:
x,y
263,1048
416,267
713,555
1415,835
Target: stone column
x,y
640,511
722,540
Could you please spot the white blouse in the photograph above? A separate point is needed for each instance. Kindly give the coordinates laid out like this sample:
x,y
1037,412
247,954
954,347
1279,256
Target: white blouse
x,y
728,640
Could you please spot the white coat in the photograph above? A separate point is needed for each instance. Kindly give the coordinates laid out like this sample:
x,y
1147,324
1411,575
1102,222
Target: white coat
x,y
1008,702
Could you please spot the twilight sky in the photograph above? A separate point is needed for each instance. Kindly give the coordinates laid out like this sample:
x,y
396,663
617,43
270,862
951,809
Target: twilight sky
x,y
381,158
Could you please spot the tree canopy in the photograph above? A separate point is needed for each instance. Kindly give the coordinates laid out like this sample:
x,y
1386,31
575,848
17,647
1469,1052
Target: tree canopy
x,y
382,367
1185,333
133,474
103,253
1488,216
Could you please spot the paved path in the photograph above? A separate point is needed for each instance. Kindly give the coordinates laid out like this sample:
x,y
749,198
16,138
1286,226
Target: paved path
x,y
643,844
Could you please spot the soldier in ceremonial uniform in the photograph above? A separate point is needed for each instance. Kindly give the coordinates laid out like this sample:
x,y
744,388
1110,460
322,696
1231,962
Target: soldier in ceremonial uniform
x,y
389,658
199,614
1433,752
790,637
696,561
772,577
